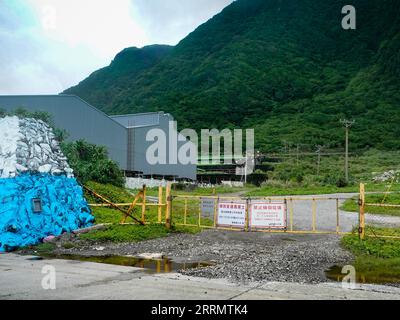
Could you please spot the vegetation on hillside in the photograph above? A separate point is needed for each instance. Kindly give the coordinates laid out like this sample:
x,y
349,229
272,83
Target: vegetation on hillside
x,y
329,170
91,162
285,68
104,84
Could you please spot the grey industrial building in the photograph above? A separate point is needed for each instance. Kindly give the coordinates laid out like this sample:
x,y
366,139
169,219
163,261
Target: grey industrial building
x,y
123,136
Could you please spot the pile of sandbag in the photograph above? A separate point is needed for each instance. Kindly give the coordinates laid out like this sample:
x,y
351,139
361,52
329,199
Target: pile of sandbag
x,y
38,195
62,205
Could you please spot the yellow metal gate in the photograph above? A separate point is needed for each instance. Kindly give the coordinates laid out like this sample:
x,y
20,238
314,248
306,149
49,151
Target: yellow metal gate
x,y
302,214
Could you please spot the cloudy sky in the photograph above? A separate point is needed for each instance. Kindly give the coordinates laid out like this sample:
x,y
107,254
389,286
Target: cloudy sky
x,y
50,45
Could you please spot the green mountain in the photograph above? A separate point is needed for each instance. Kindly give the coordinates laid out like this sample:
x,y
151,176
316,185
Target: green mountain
x,y
103,85
284,67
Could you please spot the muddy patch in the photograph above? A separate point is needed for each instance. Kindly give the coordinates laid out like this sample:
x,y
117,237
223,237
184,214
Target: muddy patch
x,y
335,274
161,265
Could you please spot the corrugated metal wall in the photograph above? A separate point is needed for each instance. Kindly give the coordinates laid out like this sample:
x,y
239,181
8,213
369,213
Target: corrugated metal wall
x,y
142,124
79,119
82,121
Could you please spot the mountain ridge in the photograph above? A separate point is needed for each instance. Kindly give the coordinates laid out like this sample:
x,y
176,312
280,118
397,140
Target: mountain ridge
x,y
285,68
126,64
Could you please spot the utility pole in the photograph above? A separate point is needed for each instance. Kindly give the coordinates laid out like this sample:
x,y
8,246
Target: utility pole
x,y
250,156
319,150
347,125
245,170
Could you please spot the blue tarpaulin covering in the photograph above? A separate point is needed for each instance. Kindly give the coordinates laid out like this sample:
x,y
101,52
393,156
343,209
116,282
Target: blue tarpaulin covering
x,y
60,205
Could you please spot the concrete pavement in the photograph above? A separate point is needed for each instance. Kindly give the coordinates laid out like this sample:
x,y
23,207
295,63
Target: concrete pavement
x,y
21,278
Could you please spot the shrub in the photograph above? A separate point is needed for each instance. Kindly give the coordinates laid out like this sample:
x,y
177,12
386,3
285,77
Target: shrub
x,y
111,192
335,178
91,163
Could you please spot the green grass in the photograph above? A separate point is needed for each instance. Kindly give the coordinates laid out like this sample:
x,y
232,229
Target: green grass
x,y
351,205
219,190
119,195
68,245
110,192
107,215
377,259
302,173
133,233
44,247
277,188
271,191
374,246
126,233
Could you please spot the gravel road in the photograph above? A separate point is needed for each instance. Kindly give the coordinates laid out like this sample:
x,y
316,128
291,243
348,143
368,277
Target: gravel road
x,y
240,257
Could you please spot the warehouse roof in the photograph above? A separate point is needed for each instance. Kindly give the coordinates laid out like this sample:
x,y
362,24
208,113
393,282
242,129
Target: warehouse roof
x,y
139,120
44,101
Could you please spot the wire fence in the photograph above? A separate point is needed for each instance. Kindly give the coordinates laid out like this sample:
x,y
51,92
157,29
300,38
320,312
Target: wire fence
x,y
379,214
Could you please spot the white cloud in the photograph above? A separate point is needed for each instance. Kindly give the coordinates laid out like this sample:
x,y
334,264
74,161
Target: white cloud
x,y
50,45
104,26
169,21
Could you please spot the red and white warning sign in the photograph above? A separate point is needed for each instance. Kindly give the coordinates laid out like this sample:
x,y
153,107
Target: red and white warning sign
x,y
232,214
265,215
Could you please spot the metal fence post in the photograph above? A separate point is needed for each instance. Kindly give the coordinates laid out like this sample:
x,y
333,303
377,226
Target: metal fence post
x,y
291,214
216,201
144,204
361,203
314,215
199,215
168,213
337,217
160,195
186,212
247,222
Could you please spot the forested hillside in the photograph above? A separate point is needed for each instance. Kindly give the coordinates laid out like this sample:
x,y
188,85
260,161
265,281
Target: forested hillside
x,y
103,85
286,68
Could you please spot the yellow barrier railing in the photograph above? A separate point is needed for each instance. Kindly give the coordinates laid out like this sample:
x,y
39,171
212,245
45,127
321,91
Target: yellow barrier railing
x,y
362,207
139,201
187,211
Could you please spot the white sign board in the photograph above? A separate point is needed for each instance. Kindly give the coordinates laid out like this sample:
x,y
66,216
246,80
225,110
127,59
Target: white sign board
x,y
232,214
207,207
265,215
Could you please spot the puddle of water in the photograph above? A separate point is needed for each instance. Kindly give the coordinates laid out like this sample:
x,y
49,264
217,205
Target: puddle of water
x,y
335,274
149,265
35,259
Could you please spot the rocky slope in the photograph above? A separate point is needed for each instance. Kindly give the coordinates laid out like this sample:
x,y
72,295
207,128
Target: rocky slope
x,y
29,145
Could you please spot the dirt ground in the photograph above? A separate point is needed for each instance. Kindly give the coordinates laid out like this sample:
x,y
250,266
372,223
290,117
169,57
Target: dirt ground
x,y
237,256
